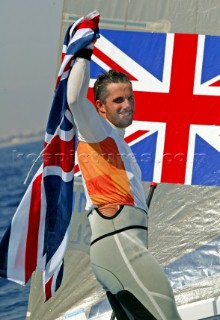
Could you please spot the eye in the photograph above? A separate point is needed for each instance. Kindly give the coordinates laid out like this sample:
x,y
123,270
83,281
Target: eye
x,y
119,100
131,98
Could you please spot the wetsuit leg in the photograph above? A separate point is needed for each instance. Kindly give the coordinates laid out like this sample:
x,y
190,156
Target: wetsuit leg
x,y
121,262
127,307
117,308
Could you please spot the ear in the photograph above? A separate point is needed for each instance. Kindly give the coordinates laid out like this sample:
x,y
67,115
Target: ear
x,y
100,107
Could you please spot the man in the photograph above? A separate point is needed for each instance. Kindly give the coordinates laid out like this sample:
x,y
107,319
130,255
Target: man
x,y
135,283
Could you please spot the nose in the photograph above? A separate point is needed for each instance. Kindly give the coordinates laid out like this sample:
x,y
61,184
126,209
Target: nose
x,y
127,103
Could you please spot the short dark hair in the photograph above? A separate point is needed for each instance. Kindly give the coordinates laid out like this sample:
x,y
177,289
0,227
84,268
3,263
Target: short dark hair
x,y
111,76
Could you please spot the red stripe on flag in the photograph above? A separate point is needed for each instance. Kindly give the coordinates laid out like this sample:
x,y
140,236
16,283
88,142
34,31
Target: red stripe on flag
x,y
76,169
67,67
33,228
135,135
48,291
57,82
63,56
91,23
112,64
215,84
60,153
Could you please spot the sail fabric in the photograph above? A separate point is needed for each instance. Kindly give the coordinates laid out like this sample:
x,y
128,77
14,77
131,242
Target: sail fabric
x,y
37,236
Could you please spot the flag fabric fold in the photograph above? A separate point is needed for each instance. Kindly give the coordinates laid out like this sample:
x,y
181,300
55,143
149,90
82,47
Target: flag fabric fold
x,y
37,236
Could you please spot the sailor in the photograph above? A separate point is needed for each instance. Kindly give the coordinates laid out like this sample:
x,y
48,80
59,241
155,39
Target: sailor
x,y
135,283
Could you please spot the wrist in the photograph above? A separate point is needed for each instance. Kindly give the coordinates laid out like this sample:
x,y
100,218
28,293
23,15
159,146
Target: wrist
x,y
84,53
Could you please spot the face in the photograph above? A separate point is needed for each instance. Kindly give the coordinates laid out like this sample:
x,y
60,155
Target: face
x,y
119,105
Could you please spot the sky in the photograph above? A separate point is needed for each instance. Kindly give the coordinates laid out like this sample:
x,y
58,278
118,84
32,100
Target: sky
x,y
29,37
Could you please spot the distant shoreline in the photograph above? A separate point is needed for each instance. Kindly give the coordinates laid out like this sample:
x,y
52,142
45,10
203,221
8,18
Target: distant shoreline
x,y
20,139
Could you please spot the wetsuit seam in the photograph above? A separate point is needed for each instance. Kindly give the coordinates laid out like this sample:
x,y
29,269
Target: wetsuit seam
x,y
118,231
116,214
109,218
97,266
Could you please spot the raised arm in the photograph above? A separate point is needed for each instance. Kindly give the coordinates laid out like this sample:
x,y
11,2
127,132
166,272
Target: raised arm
x,y
89,123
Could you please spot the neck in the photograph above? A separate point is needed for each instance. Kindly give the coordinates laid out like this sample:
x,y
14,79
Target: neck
x,y
120,131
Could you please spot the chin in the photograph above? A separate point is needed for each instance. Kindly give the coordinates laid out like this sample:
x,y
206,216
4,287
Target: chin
x,y
125,124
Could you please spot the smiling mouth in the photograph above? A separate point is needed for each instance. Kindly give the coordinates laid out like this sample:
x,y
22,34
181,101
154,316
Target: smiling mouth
x,y
126,114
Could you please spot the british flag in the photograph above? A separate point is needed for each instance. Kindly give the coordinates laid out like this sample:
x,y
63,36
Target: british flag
x,y
38,234
176,78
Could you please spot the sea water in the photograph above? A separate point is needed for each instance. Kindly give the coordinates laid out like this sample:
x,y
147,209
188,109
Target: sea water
x,y
15,162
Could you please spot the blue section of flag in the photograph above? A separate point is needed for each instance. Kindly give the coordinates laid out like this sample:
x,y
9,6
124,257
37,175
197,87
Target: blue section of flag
x,y
59,276
59,212
211,64
150,53
206,164
144,152
66,125
56,113
4,253
95,70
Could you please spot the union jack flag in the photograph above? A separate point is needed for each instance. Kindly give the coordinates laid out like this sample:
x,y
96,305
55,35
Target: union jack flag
x,y
38,234
176,79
